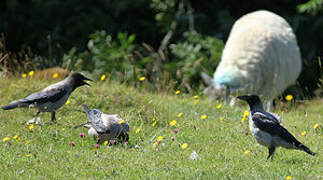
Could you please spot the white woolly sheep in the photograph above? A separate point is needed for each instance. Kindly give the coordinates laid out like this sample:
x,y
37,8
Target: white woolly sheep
x,y
261,56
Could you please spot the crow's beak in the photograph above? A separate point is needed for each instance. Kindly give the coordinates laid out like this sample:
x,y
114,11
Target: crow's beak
x,y
87,79
242,98
86,83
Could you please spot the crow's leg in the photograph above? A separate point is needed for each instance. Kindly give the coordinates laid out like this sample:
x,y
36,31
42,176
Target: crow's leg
x,y
53,116
53,119
271,153
34,120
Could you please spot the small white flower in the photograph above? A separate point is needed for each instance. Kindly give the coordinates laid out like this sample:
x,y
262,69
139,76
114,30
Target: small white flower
x,y
194,156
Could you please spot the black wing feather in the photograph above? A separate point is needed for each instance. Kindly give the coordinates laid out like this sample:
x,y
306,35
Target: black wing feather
x,y
273,127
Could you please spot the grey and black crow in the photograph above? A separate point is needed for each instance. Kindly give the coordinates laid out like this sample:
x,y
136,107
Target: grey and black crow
x,y
267,130
52,97
105,127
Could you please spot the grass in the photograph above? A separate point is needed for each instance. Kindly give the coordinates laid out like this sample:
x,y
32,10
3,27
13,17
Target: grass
x,y
220,144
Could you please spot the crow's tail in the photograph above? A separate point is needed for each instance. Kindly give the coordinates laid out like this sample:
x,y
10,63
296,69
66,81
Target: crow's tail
x,y
306,149
15,104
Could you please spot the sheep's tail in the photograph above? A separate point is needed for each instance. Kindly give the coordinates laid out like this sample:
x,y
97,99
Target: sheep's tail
x,y
306,149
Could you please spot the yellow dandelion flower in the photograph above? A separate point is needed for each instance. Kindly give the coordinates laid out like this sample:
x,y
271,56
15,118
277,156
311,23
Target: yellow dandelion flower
x,y
196,101
154,123
28,155
214,165
24,75
121,121
156,144
196,97
142,78
315,126
63,129
180,115
105,142
289,177
55,75
289,97
246,152
16,137
219,106
160,138
172,123
203,116
31,73
31,127
67,102
184,146
178,92
246,113
138,130
221,119
103,77
6,139
27,141
243,119
304,133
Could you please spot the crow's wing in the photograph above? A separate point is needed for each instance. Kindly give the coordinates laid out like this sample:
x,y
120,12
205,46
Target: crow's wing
x,y
276,116
52,95
98,125
273,127
40,97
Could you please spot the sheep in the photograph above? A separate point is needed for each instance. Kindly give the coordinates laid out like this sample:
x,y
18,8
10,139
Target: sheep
x,y
261,56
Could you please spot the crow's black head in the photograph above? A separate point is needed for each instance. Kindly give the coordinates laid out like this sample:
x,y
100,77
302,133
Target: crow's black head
x,y
79,80
253,100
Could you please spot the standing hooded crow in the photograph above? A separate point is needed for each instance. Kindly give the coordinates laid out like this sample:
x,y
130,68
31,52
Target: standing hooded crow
x,y
267,130
52,97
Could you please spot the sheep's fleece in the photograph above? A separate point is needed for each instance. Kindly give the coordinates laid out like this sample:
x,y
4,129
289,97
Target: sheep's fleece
x,y
261,56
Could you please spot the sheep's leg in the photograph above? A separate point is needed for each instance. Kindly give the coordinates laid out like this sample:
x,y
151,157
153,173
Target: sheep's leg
x,y
227,95
269,105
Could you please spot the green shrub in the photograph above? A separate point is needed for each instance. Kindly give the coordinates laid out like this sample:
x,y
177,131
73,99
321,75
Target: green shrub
x,y
105,56
126,61
195,55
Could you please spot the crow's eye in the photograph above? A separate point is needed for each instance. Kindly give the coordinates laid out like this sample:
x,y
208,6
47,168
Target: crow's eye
x,y
95,112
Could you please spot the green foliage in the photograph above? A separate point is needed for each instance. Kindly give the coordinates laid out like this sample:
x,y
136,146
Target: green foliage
x,y
196,54
105,55
313,7
126,61
220,144
165,10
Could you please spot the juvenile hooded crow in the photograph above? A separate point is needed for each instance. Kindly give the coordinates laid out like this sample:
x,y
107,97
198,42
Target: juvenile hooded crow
x,y
267,130
105,127
52,97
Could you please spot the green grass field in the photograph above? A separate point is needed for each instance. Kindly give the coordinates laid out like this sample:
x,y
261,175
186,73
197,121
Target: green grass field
x,y
219,140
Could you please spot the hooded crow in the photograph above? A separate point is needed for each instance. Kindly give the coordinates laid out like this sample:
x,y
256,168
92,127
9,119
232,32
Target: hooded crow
x,y
52,97
267,130
105,127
